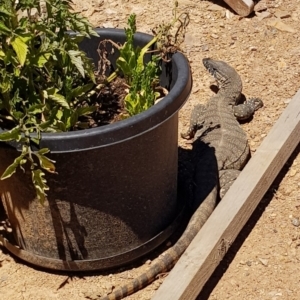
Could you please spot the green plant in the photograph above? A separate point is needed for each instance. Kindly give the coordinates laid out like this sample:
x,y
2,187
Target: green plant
x,y
47,82
141,78
43,77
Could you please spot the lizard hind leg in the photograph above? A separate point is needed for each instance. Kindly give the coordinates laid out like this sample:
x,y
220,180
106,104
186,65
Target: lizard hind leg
x,y
227,177
196,121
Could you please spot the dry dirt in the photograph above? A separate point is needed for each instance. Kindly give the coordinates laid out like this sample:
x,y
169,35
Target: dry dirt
x,y
264,262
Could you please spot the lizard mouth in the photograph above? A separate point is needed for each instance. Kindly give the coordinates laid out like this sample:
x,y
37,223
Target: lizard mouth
x,y
211,71
209,67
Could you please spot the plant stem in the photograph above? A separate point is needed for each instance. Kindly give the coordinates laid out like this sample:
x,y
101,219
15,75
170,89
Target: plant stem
x,y
114,75
155,38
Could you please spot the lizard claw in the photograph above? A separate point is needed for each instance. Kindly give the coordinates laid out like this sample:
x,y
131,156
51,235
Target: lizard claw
x,y
187,135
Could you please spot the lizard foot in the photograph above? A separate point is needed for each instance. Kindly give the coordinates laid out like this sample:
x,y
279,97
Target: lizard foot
x,y
246,110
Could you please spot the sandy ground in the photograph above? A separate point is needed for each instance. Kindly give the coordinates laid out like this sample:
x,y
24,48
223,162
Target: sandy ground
x,y
264,261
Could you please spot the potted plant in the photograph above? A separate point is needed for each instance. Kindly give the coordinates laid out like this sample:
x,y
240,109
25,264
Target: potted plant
x,y
107,193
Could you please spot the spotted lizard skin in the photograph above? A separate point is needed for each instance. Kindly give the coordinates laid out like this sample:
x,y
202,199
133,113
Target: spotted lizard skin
x,y
220,151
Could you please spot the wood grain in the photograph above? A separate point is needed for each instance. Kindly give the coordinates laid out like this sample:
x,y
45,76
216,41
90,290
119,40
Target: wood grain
x,y
208,248
241,7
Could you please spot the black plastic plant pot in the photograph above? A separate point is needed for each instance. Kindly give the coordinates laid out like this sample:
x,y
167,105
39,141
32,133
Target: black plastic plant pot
x,y
114,198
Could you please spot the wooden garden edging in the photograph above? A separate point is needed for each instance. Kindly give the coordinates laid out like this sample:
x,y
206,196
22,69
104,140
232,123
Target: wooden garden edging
x,y
208,248
241,7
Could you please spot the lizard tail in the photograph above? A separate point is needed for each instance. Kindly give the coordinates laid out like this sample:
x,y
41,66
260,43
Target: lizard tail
x,y
168,259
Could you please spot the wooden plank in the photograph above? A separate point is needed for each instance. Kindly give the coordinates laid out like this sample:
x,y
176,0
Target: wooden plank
x,y
208,248
241,7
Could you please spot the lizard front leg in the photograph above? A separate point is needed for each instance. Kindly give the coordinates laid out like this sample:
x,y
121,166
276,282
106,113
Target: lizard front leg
x,y
196,121
246,110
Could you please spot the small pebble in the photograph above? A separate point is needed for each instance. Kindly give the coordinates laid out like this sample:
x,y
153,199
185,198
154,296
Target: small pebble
x,y
109,287
282,14
205,47
263,261
249,263
108,25
263,15
292,172
229,14
214,7
296,222
234,282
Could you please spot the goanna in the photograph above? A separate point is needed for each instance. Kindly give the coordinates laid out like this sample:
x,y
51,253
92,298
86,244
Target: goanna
x,y
220,151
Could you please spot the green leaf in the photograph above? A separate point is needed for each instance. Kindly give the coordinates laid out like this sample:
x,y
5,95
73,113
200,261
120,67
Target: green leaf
x,y
5,84
35,140
40,184
20,48
4,29
60,99
80,90
13,134
122,64
91,74
36,109
93,32
156,95
4,11
43,151
81,111
72,120
24,36
17,115
45,162
132,23
77,38
140,60
75,57
60,126
132,102
10,170
42,59
45,125
53,95
59,114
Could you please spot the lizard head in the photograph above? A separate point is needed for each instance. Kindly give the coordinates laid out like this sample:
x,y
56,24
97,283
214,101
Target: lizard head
x,y
224,74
